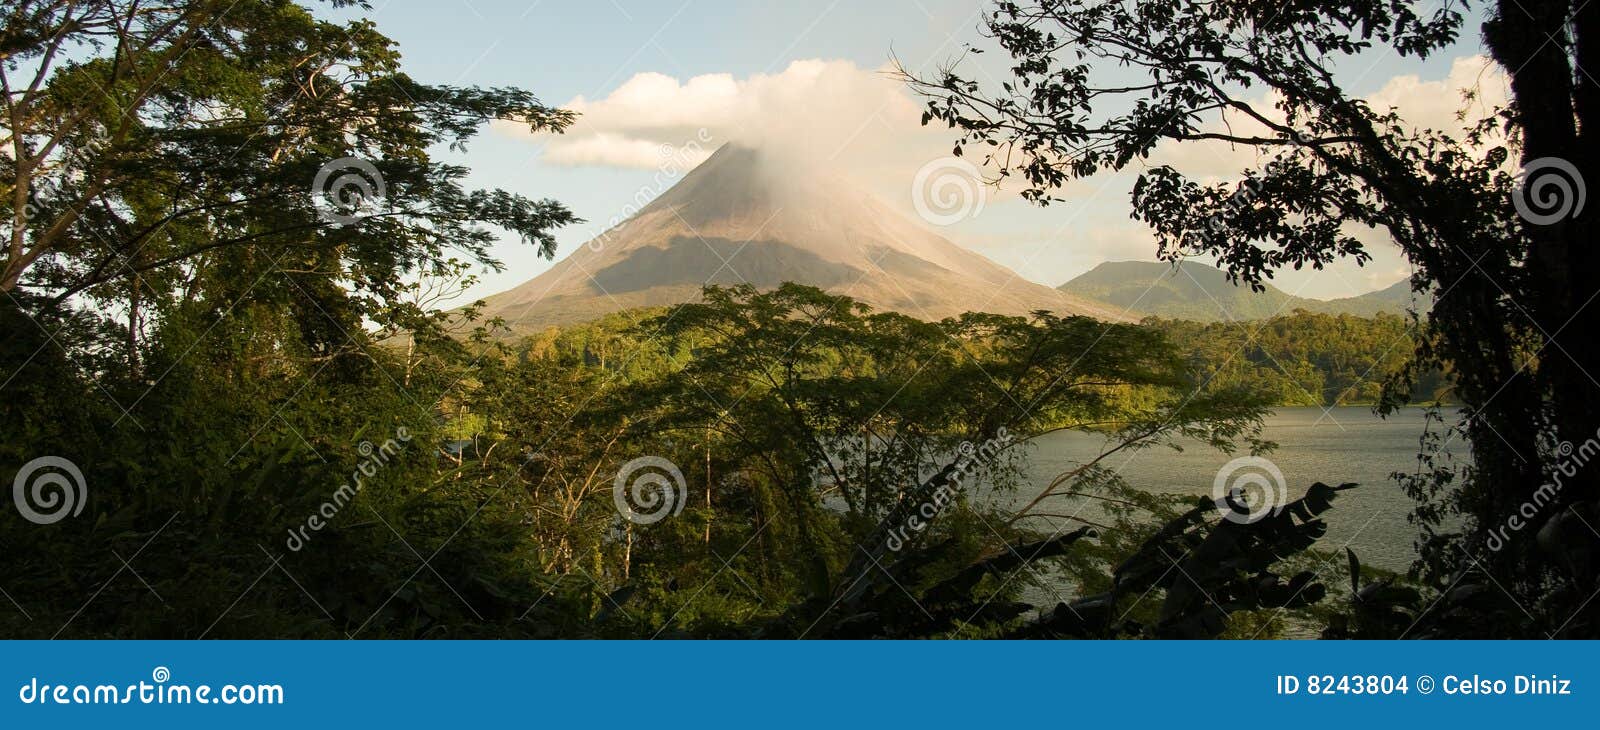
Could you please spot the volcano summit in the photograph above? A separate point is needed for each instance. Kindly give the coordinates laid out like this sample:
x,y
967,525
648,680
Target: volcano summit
x,y
740,217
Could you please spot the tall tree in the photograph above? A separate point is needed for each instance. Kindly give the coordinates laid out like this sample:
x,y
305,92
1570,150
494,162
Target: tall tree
x,y
216,210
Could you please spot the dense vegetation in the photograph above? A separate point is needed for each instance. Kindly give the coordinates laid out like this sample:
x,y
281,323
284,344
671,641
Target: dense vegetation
x,y
802,424
1296,359
1307,359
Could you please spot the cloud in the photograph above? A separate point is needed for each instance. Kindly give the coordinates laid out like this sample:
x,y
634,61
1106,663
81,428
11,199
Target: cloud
x,y
652,101
829,111
1438,104
837,112
606,149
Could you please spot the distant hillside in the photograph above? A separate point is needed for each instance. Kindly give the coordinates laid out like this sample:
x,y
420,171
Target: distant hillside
x,y
1202,293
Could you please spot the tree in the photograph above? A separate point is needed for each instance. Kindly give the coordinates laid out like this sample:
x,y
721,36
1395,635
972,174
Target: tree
x,y
1096,86
908,430
155,148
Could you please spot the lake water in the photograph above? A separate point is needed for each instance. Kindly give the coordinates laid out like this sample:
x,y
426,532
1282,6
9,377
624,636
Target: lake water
x,y
1345,444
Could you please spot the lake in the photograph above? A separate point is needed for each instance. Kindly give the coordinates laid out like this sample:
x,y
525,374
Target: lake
x,y
1344,444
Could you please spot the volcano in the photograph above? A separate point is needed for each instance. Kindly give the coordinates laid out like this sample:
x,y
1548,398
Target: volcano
x,y
742,217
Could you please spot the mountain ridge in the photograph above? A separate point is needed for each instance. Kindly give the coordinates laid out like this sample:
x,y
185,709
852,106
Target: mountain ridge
x,y
1195,291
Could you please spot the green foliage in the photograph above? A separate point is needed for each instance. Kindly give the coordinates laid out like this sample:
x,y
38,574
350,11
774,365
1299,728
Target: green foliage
x,y
175,152
803,424
1306,359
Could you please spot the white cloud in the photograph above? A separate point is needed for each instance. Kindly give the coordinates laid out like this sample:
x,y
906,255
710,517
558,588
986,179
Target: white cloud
x,y
656,101
1437,104
834,112
607,149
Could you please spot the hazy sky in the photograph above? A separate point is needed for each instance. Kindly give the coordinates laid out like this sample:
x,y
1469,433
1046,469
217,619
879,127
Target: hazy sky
x,y
808,76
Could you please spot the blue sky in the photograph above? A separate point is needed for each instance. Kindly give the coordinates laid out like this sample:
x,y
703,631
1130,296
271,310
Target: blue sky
x,y
582,54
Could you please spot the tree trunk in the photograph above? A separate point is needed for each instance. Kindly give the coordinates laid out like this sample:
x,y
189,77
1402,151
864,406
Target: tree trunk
x,y
1556,109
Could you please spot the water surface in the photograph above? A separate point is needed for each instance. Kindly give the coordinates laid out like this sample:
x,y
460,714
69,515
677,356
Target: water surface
x,y
1344,444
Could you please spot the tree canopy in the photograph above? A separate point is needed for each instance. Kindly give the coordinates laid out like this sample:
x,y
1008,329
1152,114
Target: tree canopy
x,y
153,145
